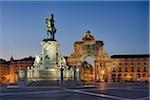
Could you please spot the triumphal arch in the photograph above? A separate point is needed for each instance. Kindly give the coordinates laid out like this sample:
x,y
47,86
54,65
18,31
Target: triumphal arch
x,y
89,47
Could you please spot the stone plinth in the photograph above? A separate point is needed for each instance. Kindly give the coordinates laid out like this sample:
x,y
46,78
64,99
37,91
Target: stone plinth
x,y
46,65
49,53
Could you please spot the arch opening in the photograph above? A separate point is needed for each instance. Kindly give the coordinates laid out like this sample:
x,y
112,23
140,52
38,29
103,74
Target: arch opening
x,y
88,68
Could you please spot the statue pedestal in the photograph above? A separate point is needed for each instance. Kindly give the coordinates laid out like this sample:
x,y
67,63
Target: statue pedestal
x,y
50,49
49,68
46,66
50,74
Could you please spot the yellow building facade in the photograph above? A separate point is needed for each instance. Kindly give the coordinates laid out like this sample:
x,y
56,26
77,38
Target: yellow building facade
x,y
9,70
117,68
130,67
4,72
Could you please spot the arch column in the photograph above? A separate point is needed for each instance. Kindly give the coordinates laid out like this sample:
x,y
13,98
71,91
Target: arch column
x,y
79,71
96,74
74,69
101,70
101,73
109,70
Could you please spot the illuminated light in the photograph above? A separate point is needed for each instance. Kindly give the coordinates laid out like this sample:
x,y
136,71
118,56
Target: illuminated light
x,y
52,69
8,77
129,76
102,72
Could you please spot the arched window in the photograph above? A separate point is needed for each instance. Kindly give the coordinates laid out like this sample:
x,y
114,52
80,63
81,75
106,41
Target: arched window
x,y
113,69
113,75
132,77
144,75
132,63
126,68
125,77
21,67
120,70
132,68
138,68
119,77
145,68
138,75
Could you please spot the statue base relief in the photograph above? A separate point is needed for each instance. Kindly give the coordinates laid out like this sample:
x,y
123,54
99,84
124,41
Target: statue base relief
x,y
45,66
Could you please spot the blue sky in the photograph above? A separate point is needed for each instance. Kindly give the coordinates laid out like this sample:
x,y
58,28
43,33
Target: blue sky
x,y
123,26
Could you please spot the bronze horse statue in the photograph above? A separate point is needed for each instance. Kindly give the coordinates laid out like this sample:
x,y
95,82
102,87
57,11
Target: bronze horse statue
x,y
50,23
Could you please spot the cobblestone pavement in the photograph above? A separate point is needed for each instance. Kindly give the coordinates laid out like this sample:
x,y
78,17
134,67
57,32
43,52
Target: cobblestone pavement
x,y
100,91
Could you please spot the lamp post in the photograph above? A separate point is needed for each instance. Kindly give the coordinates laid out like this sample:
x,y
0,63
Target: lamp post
x,y
61,78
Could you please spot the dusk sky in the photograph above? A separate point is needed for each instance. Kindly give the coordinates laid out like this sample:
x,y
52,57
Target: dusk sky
x,y
122,26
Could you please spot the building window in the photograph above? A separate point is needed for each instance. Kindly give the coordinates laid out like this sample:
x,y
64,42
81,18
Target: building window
x,y
132,63
144,75
131,77
21,67
125,76
120,69
138,63
119,63
144,63
125,63
138,75
114,70
138,69
132,69
119,77
126,68
145,69
113,77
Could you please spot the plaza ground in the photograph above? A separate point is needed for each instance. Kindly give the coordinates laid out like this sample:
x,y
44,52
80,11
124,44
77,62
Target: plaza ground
x,y
98,91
